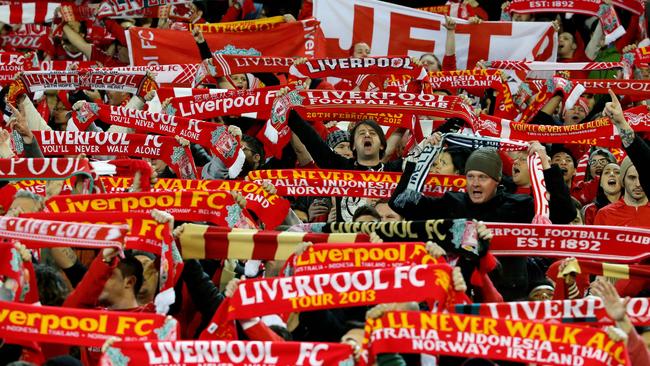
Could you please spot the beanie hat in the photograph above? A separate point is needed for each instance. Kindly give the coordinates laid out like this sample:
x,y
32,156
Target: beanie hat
x,y
336,137
485,160
626,164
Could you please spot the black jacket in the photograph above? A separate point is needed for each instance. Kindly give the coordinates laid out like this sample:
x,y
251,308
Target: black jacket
x,y
504,207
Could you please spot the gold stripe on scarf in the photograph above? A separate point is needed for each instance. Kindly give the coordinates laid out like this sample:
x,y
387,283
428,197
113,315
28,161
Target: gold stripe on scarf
x,y
192,241
616,270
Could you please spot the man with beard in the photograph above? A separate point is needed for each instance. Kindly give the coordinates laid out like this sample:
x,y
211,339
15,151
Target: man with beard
x,y
485,201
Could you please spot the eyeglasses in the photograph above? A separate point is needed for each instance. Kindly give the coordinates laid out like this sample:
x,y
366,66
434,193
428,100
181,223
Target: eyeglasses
x,y
596,162
246,148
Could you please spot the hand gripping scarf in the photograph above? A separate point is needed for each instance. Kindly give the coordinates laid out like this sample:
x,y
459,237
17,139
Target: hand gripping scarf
x,y
430,152
213,136
495,339
167,149
144,234
389,109
278,295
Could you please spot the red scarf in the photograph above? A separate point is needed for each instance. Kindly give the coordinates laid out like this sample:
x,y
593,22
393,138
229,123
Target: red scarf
x,y
474,81
561,241
210,242
495,339
235,353
144,233
598,132
104,79
10,64
218,208
167,149
389,109
637,88
342,67
47,233
588,310
213,136
295,39
44,168
334,257
36,12
278,295
271,209
223,65
346,183
254,103
611,25
80,327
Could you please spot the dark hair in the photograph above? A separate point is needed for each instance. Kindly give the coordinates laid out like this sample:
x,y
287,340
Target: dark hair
x,y
558,148
282,332
52,289
459,156
366,210
62,361
131,266
375,126
255,145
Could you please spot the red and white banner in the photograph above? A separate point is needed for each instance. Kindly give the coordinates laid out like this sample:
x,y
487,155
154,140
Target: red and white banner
x,y
231,353
339,290
45,233
496,339
217,207
338,183
149,46
587,310
28,12
398,30
80,327
606,243
335,257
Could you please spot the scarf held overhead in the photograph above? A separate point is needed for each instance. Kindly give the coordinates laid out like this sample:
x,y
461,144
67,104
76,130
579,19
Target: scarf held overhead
x,y
338,183
47,233
80,327
234,353
338,290
165,148
213,136
607,243
271,209
210,242
495,339
334,257
218,208
588,310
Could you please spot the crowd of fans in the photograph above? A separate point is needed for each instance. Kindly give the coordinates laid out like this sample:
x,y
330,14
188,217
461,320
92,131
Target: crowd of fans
x,y
586,185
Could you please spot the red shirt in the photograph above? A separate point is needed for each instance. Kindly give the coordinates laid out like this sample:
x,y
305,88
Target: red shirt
x,y
620,214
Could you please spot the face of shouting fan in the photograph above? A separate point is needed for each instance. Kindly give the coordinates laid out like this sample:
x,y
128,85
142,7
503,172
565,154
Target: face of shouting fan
x,y
480,186
367,143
